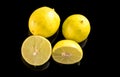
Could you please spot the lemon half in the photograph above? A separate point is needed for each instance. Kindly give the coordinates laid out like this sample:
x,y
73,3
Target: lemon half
x,y
36,50
67,52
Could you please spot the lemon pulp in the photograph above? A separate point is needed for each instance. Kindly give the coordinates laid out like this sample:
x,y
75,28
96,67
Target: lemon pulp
x,y
36,50
67,52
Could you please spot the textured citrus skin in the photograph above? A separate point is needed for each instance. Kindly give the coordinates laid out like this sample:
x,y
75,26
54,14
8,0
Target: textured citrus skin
x,y
44,21
76,27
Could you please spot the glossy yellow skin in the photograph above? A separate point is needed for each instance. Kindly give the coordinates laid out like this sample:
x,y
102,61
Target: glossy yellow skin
x,y
44,21
76,27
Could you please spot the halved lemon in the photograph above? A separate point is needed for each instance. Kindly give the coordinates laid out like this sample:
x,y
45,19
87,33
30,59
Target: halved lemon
x,y
67,52
36,50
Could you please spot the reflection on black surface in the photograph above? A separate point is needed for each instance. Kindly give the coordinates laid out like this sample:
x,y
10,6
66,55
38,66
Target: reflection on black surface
x,y
82,44
36,68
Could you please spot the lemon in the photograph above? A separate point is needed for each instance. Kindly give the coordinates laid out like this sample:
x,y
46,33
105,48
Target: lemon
x,y
44,21
76,27
36,50
67,52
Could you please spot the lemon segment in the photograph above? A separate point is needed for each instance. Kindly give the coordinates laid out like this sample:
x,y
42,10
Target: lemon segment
x,y
36,50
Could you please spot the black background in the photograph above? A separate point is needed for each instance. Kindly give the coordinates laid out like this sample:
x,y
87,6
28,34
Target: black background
x,y
21,12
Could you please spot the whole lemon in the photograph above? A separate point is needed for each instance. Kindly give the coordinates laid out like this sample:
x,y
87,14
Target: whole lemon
x,y
44,21
76,27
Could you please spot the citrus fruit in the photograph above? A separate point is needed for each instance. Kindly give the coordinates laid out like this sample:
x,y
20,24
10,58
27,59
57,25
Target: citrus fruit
x,y
36,50
44,21
67,52
76,27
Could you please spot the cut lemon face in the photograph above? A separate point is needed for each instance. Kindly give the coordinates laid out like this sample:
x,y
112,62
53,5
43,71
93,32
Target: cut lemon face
x,y
76,27
44,21
36,50
67,52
